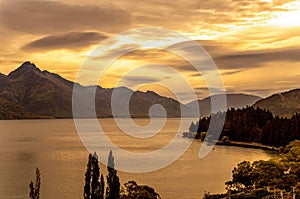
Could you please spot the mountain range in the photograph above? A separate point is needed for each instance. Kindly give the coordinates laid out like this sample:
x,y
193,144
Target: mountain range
x,y
28,92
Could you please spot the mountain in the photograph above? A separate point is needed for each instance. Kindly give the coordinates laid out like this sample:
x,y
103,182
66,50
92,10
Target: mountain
x,y
3,81
29,92
38,92
9,110
233,101
282,104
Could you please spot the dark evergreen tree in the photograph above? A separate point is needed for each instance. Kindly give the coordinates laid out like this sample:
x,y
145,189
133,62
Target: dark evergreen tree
x,y
194,127
94,186
113,183
35,187
95,179
102,184
87,185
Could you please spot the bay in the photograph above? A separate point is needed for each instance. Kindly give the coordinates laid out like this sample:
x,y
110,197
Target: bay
x,y
56,149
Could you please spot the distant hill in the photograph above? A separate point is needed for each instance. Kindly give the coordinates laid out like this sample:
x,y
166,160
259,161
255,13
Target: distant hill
x,y
282,104
233,101
29,92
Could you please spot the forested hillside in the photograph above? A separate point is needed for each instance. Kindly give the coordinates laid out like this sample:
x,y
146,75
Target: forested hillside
x,y
256,125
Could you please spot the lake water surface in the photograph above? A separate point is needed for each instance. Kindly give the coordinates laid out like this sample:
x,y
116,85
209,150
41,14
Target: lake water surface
x,y
55,147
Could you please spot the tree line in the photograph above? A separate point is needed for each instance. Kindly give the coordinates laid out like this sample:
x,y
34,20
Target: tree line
x,y
254,125
95,186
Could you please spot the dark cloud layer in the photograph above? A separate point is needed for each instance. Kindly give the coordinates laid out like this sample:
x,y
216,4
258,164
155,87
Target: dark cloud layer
x,y
71,41
136,80
223,55
213,89
256,59
44,17
232,72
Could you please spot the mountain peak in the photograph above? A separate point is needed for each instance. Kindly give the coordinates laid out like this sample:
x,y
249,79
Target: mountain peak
x,y
28,63
24,68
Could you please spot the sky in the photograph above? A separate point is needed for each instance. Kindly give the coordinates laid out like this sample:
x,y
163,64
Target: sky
x,y
255,44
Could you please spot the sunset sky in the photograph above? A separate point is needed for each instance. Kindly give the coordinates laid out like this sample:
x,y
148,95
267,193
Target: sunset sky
x,y
254,43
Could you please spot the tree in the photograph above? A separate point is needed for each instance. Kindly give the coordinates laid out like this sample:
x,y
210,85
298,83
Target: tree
x,y
87,185
242,177
225,139
202,136
291,153
96,192
94,184
113,183
268,173
102,184
131,190
194,127
35,187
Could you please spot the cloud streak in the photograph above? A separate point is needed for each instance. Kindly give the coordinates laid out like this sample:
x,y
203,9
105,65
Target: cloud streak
x,y
70,41
225,57
257,58
138,80
44,17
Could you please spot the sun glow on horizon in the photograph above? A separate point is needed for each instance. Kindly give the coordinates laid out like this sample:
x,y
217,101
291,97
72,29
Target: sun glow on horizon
x,y
287,19
243,38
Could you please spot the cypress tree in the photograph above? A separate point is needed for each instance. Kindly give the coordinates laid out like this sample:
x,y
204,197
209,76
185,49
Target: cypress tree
x,y
113,182
95,179
102,185
87,185
35,188
94,186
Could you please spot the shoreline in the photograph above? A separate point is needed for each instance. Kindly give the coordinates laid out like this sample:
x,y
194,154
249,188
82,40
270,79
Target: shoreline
x,y
253,145
248,145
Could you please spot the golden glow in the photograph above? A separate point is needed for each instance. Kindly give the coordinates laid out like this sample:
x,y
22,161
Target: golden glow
x,y
247,40
287,19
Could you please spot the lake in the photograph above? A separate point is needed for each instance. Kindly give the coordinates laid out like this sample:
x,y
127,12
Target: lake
x,y
56,149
